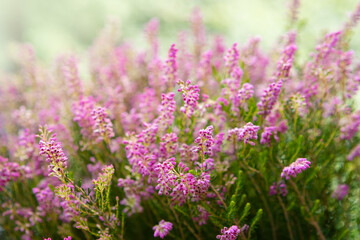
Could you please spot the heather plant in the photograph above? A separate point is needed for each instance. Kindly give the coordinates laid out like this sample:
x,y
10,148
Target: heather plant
x,y
206,143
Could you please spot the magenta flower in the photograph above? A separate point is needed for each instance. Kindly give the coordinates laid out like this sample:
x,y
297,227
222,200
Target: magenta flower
x,y
9,171
301,164
232,58
229,233
269,98
267,133
190,95
205,140
167,109
102,125
249,131
162,229
171,67
52,149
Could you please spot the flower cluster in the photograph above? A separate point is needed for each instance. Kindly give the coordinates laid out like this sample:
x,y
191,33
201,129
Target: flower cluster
x,y
274,188
162,229
267,133
102,125
190,95
301,164
229,233
52,149
205,141
9,171
249,131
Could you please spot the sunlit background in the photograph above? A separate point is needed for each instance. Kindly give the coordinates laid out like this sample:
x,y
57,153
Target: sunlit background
x,y
54,27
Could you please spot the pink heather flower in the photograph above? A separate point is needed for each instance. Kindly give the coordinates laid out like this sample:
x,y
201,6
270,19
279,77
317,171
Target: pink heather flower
x,y
301,164
168,145
269,98
285,63
246,92
283,189
102,125
48,203
205,141
71,74
354,153
273,189
147,104
166,179
267,133
232,58
9,171
249,131
190,95
82,115
340,192
167,109
229,233
350,125
203,216
162,229
52,149
171,67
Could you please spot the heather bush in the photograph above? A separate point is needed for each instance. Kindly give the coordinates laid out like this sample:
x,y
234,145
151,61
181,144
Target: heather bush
x,y
210,142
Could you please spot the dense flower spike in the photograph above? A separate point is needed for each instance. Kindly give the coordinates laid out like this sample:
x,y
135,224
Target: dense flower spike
x,y
52,149
269,98
171,67
249,131
205,141
232,58
162,229
102,125
9,171
167,109
267,133
301,164
229,233
190,96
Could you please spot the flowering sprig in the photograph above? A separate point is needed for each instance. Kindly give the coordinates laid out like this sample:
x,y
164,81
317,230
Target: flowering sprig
x,y
9,171
229,233
301,164
249,131
52,149
190,96
162,229
102,125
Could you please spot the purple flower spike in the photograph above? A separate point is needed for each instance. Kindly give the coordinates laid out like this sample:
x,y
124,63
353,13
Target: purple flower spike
x,y
229,234
162,229
301,164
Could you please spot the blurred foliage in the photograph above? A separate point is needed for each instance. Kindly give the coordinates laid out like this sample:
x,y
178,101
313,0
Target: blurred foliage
x,y
56,27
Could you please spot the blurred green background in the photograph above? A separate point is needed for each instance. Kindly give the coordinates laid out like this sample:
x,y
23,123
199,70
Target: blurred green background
x,y
55,27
